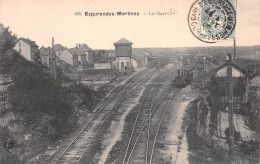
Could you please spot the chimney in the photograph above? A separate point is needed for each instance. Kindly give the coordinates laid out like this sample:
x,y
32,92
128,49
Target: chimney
x,y
77,45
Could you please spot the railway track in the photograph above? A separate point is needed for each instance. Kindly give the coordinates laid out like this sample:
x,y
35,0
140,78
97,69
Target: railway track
x,y
151,148
143,109
144,135
81,143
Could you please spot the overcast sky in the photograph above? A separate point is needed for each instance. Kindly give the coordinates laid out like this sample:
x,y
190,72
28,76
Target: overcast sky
x,y
40,20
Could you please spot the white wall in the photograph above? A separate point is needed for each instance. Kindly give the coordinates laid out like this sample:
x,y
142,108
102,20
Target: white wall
x,y
102,65
119,60
235,72
134,63
67,57
25,48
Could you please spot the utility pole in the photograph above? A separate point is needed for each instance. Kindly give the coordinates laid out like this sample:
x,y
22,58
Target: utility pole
x,y
230,108
204,71
234,48
256,52
53,69
52,57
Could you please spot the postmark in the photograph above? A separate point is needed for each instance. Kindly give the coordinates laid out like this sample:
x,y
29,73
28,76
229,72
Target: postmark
x,y
212,20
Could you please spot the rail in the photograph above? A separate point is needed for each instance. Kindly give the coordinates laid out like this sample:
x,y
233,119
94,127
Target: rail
x,y
144,125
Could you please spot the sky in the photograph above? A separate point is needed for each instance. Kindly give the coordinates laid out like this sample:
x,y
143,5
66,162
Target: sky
x,y
40,20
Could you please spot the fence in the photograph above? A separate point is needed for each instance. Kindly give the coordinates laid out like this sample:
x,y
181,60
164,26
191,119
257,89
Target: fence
x,y
218,148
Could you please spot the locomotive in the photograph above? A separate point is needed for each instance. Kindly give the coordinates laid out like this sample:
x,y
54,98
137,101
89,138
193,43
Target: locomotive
x,y
183,78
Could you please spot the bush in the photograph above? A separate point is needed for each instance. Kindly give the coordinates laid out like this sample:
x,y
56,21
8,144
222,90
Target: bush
x,y
44,109
40,101
250,148
86,97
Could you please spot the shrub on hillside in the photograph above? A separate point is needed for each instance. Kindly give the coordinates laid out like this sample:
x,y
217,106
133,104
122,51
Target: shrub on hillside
x,y
40,100
85,96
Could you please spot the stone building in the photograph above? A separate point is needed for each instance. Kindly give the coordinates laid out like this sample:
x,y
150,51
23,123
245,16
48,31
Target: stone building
x,y
80,56
123,51
27,48
45,55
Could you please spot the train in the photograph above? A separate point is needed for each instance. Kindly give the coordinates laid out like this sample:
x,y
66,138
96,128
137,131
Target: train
x,y
183,79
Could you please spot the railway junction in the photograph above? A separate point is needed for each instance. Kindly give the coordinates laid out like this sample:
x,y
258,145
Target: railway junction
x,y
139,122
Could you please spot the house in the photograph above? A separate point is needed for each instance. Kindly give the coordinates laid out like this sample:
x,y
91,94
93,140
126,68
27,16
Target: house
x,y
67,56
123,51
45,55
140,58
134,63
58,49
219,84
79,56
237,70
137,61
27,48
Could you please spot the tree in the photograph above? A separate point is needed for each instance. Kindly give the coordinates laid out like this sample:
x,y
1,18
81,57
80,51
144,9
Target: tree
x,y
7,42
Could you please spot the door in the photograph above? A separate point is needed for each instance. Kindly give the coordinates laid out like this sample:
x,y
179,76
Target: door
x,y
122,66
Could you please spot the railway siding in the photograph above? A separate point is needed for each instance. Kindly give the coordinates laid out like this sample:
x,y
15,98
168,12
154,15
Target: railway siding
x,y
99,151
172,145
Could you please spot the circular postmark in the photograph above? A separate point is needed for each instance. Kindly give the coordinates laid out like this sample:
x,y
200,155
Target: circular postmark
x,y
212,20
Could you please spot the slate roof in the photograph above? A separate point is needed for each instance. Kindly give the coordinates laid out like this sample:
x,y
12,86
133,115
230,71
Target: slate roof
x,y
83,47
235,65
73,51
29,42
44,51
123,41
58,47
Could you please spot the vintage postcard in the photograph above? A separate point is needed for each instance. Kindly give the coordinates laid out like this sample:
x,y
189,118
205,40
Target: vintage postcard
x,y
129,82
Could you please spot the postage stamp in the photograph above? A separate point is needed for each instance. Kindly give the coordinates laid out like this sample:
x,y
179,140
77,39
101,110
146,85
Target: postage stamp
x,y
212,20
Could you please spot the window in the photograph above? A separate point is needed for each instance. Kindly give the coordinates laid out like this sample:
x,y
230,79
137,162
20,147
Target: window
x,y
19,44
20,50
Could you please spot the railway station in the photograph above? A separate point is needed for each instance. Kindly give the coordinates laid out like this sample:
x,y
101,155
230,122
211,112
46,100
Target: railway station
x,y
129,82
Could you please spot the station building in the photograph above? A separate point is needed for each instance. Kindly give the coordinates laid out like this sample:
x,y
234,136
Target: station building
x,y
123,52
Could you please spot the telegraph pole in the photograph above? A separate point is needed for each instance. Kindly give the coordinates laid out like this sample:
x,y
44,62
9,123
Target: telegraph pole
x,y
53,69
230,108
52,57
234,48
204,71
256,53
